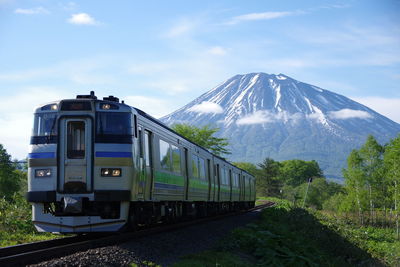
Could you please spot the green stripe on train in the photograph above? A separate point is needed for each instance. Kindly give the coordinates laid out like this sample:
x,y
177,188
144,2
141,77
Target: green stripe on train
x,y
198,184
169,178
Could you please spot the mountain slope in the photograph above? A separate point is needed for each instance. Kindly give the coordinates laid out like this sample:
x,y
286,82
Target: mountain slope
x,y
267,115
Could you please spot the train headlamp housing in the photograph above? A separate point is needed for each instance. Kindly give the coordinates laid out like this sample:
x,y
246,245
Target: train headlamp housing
x,y
108,106
111,172
105,106
42,173
50,107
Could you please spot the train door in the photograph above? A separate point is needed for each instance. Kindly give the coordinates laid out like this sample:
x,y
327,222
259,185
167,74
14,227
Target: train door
x,y
75,164
217,180
241,184
186,160
230,179
141,168
210,181
148,164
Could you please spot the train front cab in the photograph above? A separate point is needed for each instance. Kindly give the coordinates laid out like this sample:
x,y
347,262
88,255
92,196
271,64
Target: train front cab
x,y
79,180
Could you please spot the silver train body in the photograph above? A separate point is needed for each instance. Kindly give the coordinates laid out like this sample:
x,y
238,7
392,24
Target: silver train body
x,y
101,166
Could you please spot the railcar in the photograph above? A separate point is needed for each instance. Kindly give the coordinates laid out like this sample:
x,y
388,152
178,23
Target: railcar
x,y
102,166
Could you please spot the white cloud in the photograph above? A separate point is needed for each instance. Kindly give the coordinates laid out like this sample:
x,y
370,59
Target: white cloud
x,y
217,51
31,11
206,107
257,117
316,116
350,45
388,107
178,30
156,107
265,116
346,113
260,16
68,6
82,19
183,27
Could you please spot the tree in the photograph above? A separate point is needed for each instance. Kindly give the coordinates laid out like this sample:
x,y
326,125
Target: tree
x,y
9,179
355,180
268,182
204,137
247,166
295,172
392,164
320,191
372,165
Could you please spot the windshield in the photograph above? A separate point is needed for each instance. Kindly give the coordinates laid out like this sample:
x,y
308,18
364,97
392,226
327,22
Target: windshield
x,y
114,123
45,124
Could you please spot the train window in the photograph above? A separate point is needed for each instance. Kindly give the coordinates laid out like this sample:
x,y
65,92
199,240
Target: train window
x,y
147,147
140,143
165,155
216,173
223,176
176,159
76,140
135,125
235,179
202,168
195,166
45,124
114,123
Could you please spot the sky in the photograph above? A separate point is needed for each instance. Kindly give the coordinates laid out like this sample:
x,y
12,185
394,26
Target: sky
x,y
160,55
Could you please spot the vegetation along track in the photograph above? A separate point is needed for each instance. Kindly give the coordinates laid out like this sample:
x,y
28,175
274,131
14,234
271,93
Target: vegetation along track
x,y
40,251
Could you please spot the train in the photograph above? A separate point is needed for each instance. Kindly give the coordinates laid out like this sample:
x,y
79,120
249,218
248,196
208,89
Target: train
x,y
104,166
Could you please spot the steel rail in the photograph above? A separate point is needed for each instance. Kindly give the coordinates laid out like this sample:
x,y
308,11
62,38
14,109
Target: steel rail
x,y
45,250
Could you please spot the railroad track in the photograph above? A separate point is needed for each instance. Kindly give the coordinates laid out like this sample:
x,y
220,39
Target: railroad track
x,y
45,250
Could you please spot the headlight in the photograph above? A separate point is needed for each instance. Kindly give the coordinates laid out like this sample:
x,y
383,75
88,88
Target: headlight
x,y
105,106
43,173
111,172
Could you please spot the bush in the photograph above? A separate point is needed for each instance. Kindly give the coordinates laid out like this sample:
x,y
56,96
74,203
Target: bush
x,y
16,225
16,215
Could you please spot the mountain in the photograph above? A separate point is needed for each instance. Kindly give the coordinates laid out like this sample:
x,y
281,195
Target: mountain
x,y
267,115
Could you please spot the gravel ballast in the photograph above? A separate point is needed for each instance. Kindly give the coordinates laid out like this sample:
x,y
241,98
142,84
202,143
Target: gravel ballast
x,y
162,248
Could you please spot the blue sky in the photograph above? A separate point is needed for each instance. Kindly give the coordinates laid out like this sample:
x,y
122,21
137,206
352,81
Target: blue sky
x,y
159,55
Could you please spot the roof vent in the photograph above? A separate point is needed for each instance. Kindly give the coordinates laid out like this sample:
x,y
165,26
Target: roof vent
x,y
111,98
91,96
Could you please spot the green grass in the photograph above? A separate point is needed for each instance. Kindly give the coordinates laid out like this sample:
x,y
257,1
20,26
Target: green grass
x,y
144,264
287,236
10,239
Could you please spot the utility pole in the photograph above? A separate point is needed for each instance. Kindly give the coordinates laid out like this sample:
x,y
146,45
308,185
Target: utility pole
x,y
305,197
